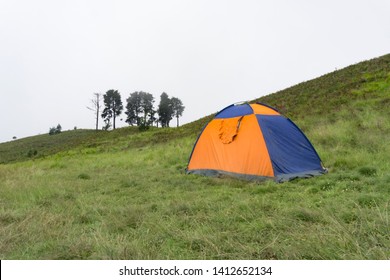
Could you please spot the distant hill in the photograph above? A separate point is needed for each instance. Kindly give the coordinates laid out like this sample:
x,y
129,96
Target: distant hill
x,y
320,99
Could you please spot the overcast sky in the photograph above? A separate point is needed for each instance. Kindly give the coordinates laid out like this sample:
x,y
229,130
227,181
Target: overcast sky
x,y
210,53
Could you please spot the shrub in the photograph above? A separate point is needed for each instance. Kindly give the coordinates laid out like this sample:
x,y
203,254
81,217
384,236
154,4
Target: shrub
x,y
55,130
143,126
52,131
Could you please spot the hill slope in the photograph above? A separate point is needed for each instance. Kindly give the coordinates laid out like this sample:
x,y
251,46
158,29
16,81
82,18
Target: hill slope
x,y
124,194
322,97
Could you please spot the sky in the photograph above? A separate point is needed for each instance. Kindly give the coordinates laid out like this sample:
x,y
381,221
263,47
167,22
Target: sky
x,y
54,55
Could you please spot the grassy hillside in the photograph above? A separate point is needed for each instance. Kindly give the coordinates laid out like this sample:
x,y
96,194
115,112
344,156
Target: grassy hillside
x,y
124,194
41,146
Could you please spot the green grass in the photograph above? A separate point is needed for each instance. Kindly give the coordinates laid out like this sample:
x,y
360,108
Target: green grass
x,y
125,195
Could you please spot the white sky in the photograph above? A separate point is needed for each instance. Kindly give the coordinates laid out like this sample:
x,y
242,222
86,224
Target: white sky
x,y
210,53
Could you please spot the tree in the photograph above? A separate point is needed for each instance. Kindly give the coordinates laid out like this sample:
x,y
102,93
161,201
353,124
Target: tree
x,y
55,130
112,101
147,101
165,110
177,108
140,109
151,117
133,109
52,131
96,105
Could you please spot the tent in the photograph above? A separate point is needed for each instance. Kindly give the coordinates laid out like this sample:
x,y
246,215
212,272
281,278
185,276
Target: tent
x,y
254,142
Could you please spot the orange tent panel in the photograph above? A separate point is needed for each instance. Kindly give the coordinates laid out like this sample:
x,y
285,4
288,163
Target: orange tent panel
x,y
233,145
263,110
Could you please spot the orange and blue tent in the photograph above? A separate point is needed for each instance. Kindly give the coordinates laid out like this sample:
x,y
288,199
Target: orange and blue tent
x,y
254,142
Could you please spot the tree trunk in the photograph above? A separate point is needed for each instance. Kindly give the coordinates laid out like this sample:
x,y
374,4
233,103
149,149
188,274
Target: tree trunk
x,y
97,117
113,120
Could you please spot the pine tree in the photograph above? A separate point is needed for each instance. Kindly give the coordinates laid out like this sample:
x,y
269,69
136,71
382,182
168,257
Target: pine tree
x,y
165,110
177,108
113,106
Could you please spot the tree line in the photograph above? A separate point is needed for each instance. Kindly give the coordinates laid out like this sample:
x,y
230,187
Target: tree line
x,y
140,109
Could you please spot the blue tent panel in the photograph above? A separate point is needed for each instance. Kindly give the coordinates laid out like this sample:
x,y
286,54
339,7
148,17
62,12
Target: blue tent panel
x,y
235,111
290,151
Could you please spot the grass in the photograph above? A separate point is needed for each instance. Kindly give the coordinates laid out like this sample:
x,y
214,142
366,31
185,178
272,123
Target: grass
x,y
124,194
